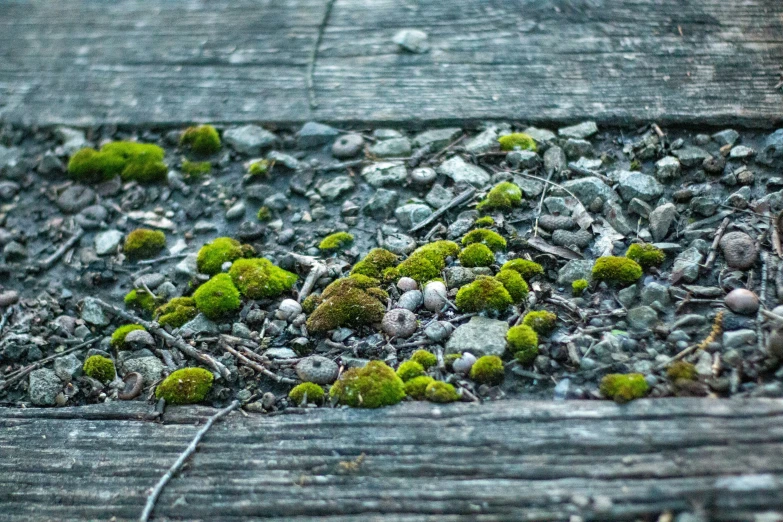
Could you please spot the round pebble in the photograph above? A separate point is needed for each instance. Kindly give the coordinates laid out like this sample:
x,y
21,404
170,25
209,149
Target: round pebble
x,y
8,297
410,300
438,331
250,230
407,283
423,175
317,369
288,310
75,198
400,323
436,296
464,363
347,146
739,249
775,344
139,339
742,301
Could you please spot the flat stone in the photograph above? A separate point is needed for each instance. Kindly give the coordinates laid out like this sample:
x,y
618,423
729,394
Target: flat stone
x,y
687,264
248,139
44,385
8,190
661,220
485,141
187,266
459,276
575,148
412,40
313,134
741,152
411,214
642,318
399,243
461,172
150,368
653,292
335,187
385,173
107,242
637,185
281,353
479,336
394,148
197,325
67,367
726,137
692,156
72,140
75,198
587,189
554,160
523,159
739,339
382,203
92,312
540,135
347,146
580,131
667,168
423,175
575,269
437,138
237,211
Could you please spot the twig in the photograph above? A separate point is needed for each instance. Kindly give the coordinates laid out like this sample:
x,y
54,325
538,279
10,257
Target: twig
x,y
715,242
47,263
541,202
6,316
13,377
448,147
314,55
317,270
456,201
158,489
256,366
161,259
340,166
539,178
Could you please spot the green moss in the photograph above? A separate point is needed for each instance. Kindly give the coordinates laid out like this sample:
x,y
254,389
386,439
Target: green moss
x,y
176,312
646,255
306,393
196,169
523,343
517,140
259,278
484,222
425,358
336,241
439,249
410,369
624,387
635,165
681,370
372,386
141,300
503,196
185,386
348,302
441,392
425,263
143,243
218,297
416,387
526,268
374,263
259,168
132,161
542,321
476,254
99,368
516,286
484,294
118,336
488,370
492,239
211,256
202,140
264,214
311,302
619,271
579,286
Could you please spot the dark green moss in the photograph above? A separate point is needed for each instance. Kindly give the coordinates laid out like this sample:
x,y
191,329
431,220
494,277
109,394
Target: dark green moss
x,y
503,196
196,169
646,255
681,370
492,239
517,140
484,222
624,387
144,243
488,370
373,386
218,297
311,302
259,278
409,370
176,312
374,263
484,294
306,393
516,286
185,386
141,300
202,140
619,271
416,387
526,268
99,368
336,241
140,162
348,302
523,343
221,250
475,255
118,336
441,392
542,321
425,358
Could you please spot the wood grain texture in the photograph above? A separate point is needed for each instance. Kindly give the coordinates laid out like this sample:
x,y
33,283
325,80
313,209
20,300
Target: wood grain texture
x,y
511,460
88,62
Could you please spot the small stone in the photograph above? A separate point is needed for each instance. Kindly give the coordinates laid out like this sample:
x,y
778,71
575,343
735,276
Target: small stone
x,y
288,310
197,325
92,312
280,353
399,243
627,296
639,207
438,331
739,249
687,264
726,137
347,146
554,160
523,159
67,367
107,242
739,339
382,203
248,139
14,251
385,173
317,369
72,140
655,292
75,198
313,134
138,339
576,149
423,175
92,217
741,152
575,269
410,300
150,368
250,231
284,160
439,196
188,266
8,190
692,156
485,141
773,147
461,172
667,169
661,220
479,336
436,138
411,214
642,318
412,40
44,385
588,189
457,277
405,284
742,301
580,131
394,148
704,206
713,164
400,323
464,364
637,185
237,211
335,187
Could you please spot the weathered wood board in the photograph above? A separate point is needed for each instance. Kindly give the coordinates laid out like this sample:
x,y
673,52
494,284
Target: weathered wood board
x,y
511,460
614,61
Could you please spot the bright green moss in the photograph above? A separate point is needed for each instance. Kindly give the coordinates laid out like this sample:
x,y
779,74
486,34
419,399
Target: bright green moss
x,y
492,239
441,392
141,162
264,214
118,336
542,321
624,387
518,140
523,343
516,286
409,370
476,254
99,368
141,300
418,267
488,370
484,294
439,249
202,140
374,263
196,169
176,312
306,393
373,386
346,303
143,243
336,241
185,386
579,286
425,358
221,250
311,302
484,222
503,196
259,168
526,268
619,271
646,255
259,278
681,370
218,297
416,387
635,165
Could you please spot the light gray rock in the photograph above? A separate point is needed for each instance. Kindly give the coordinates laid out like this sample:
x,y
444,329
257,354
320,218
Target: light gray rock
x,y
692,156
773,147
385,173
687,263
400,323
667,168
540,135
412,40
248,139
726,137
237,211
423,175
107,242
613,212
661,220
461,172
381,203
438,331
347,146
485,141
655,292
92,313
410,300
642,318
188,266
313,134
150,368
741,152
576,149
437,138
587,189
479,336
459,276
288,310
317,369
523,159
197,325
637,185
335,187
555,159
394,148
435,296
399,243
411,214
580,131
44,385
438,196
575,269
627,296
67,367
280,353
739,339
72,140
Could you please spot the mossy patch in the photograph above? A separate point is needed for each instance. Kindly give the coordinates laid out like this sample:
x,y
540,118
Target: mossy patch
x,y
490,238
132,161
425,358
488,370
306,393
416,387
517,140
526,268
425,263
681,370
141,300
542,321
374,263
514,283
336,241
185,386
523,343
579,286
350,302
202,140
624,387
409,370
118,336
484,294
264,214
311,302
441,392
476,254
176,312
218,297
619,271
484,222
144,243
646,255
99,368
373,386
259,278
259,168
196,169
503,196
212,255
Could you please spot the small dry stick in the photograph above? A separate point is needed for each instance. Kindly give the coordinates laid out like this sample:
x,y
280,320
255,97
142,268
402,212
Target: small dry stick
x,y
317,270
52,259
461,198
190,450
714,247
161,259
257,367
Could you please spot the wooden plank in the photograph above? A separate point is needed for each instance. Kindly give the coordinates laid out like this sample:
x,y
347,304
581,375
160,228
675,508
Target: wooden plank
x,y
508,460
147,62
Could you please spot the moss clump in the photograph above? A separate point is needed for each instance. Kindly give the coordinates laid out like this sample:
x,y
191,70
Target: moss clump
x,y
542,321
488,370
259,278
185,386
484,294
616,270
141,300
348,302
202,140
425,263
425,358
624,387
144,243
492,239
416,387
579,286
441,392
516,286
373,386
218,297
409,370
306,393
448,360
681,370
523,343
526,268
374,263
118,336
132,161
259,168
264,214
311,302
503,196
646,255
476,254
196,169
518,140
176,312
211,256
99,368
336,241
484,222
